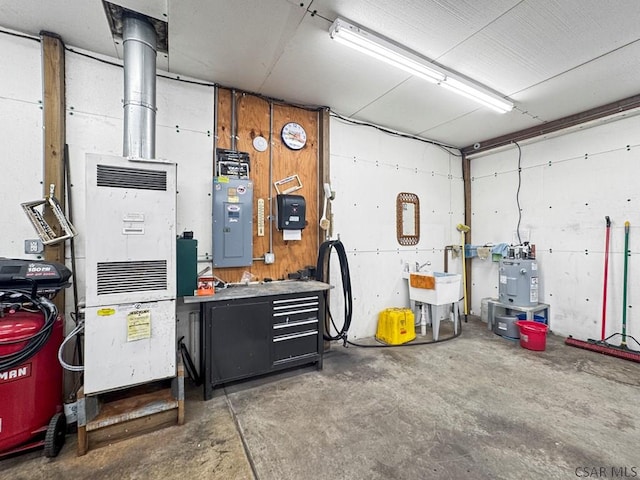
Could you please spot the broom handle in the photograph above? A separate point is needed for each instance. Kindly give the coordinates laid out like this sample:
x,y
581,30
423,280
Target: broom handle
x,y
464,276
606,272
624,284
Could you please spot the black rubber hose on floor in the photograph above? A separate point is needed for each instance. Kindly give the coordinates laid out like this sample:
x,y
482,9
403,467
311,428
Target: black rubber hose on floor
x,y
411,343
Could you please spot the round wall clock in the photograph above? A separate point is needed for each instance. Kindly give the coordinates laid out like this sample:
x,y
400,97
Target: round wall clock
x,y
260,143
294,136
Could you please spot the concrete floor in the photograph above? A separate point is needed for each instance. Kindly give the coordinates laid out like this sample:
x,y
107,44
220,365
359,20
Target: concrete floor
x,y
475,407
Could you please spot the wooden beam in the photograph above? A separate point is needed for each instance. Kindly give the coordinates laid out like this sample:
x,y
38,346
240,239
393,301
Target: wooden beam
x,y
626,104
324,160
54,126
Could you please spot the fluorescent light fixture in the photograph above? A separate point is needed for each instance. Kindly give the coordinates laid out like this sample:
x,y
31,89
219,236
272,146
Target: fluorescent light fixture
x,y
384,50
400,57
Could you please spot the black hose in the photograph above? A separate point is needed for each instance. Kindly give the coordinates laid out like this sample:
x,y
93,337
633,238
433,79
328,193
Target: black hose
x,y
188,362
322,275
411,343
36,341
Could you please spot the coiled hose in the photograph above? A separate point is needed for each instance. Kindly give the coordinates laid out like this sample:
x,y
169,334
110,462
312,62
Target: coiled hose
x,y
322,275
19,299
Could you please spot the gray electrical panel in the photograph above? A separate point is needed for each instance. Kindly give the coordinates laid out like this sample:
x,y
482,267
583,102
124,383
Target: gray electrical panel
x,y
518,282
232,222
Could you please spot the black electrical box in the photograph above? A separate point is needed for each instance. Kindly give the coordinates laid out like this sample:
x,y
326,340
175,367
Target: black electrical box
x,y
291,212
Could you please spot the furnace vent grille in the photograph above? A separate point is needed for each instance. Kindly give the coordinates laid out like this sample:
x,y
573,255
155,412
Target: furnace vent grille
x,y
126,277
139,178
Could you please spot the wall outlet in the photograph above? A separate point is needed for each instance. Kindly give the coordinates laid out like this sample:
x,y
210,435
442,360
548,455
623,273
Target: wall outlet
x,y
33,246
269,258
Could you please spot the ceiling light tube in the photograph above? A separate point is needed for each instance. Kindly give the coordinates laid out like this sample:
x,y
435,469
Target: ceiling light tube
x,y
386,50
486,98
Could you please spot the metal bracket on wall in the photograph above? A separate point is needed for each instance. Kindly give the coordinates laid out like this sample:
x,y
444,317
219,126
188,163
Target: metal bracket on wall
x,y
46,232
289,180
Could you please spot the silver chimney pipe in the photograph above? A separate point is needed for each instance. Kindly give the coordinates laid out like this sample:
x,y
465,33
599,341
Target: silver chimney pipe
x,y
139,39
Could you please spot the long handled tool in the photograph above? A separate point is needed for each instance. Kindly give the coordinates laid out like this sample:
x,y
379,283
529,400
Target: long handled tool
x,y
464,229
603,345
623,343
606,276
324,221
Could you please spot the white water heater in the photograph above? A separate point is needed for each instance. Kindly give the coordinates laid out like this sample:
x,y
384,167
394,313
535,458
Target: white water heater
x,y
130,324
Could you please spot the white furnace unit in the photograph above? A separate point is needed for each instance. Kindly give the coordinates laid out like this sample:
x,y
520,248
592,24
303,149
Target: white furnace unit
x,y
130,325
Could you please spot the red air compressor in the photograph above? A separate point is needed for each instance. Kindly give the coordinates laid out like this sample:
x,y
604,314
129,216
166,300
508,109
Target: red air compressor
x,y
31,331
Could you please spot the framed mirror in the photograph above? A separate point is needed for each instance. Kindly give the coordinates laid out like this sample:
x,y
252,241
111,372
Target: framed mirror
x,y
407,218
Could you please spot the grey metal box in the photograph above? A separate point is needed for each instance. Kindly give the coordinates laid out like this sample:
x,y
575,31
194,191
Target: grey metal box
x,y
518,282
232,222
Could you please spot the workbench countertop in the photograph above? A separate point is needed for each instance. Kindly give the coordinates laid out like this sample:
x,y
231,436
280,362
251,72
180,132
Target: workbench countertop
x,y
282,287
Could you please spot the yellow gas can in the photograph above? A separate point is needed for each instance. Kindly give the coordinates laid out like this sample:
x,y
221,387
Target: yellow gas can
x,y
396,326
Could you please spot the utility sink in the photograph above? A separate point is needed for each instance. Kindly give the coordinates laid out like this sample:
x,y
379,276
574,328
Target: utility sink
x,y
434,288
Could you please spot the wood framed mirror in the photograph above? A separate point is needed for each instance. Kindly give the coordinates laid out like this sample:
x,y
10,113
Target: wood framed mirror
x,y
407,218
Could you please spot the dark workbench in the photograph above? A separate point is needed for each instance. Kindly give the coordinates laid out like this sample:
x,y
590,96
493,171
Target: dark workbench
x,y
250,330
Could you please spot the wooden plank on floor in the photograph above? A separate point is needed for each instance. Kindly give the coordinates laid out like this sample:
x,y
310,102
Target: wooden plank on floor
x,y
131,408
132,428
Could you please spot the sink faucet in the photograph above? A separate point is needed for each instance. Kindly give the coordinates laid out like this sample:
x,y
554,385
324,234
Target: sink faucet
x,y
418,266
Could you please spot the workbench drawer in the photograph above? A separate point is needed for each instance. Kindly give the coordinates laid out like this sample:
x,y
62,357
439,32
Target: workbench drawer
x,y
295,345
295,326
293,310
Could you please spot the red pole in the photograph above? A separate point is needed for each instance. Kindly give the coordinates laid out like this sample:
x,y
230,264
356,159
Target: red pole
x,y
606,271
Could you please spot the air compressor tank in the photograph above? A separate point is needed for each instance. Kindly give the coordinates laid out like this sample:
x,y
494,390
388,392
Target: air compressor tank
x,y
518,282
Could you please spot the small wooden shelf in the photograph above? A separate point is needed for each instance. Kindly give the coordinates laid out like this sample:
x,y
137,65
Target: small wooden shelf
x,y
114,416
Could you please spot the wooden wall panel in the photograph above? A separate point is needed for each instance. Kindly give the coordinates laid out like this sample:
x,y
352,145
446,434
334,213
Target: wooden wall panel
x,y
224,119
253,119
293,255
253,116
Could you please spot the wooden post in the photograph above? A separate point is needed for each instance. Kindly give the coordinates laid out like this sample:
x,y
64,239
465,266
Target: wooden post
x,y
324,160
54,137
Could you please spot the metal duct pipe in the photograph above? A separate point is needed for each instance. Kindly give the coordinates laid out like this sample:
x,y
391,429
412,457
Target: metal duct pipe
x,y
139,39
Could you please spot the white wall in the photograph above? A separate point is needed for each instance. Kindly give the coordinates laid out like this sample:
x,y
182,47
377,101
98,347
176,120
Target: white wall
x,y
21,147
94,93
569,184
368,170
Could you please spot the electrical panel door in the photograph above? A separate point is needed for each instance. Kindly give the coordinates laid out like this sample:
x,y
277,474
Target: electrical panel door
x,y
232,222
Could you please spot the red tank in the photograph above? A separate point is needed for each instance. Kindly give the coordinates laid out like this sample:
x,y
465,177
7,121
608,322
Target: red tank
x,y
30,393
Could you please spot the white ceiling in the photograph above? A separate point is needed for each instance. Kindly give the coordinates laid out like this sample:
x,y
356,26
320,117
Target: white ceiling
x,y
553,58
